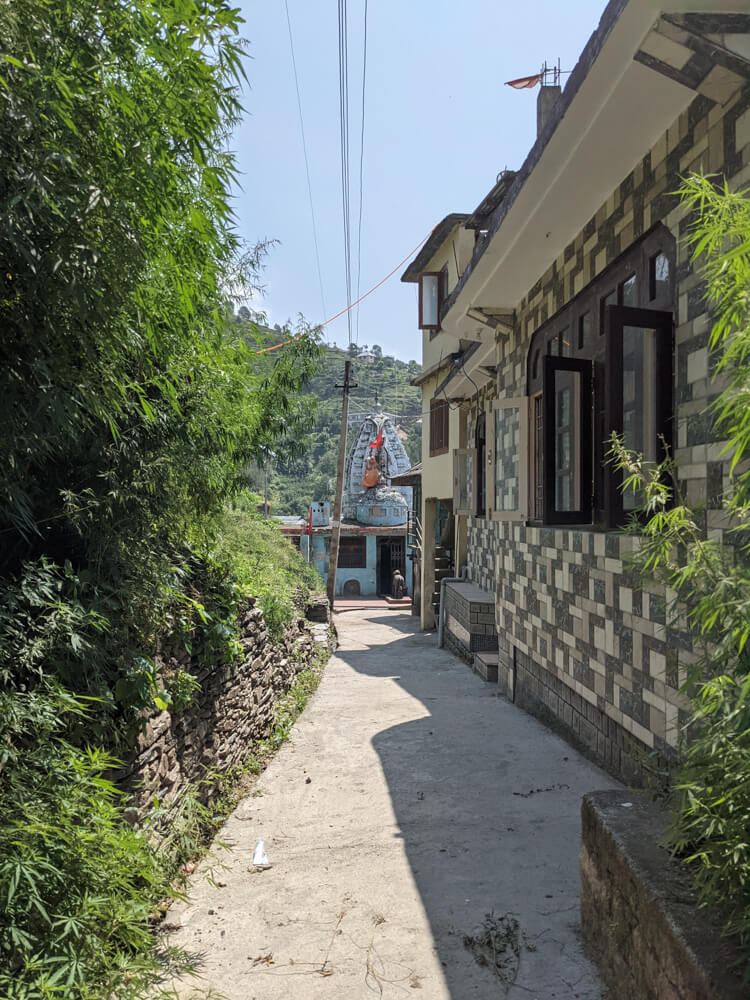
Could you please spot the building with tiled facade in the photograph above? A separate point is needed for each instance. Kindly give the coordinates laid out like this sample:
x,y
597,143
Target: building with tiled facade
x,y
581,278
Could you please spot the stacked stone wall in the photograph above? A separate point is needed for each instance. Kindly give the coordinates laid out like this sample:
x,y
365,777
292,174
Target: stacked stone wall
x,y
232,709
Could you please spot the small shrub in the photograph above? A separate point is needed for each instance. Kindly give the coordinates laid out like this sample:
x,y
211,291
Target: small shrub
x,y
76,882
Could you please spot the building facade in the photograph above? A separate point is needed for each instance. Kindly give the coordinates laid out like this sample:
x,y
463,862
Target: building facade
x,y
373,538
598,322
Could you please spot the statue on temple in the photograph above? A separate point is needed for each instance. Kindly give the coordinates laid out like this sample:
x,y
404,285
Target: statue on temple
x,y
372,473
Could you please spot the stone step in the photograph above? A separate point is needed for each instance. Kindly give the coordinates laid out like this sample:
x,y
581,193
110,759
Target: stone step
x,y
398,602
485,664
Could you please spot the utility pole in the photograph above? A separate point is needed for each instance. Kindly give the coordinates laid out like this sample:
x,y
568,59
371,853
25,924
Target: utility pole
x,y
333,556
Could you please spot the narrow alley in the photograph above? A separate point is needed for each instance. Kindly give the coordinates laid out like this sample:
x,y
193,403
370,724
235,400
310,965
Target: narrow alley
x,y
422,834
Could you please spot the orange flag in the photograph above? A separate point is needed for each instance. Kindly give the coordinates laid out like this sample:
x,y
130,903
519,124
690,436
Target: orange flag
x,y
525,82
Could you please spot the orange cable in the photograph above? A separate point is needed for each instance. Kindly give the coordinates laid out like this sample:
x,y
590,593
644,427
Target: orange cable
x,y
351,305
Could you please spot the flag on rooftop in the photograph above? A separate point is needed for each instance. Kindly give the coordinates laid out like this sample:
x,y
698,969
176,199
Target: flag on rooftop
x,y
524,82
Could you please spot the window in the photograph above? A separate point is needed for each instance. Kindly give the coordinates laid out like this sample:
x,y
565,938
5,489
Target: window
x,y
658,276
509,483
480,442
352,552
439,416
464,479
584,330
431,291
591,385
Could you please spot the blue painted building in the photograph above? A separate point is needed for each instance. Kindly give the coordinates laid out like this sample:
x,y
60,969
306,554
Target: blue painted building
x,y
372,543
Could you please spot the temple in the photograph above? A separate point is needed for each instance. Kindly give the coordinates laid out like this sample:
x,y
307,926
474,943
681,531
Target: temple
x,y
375,514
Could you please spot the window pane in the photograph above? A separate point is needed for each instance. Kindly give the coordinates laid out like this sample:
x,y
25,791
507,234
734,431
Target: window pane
x,y
507,457
538,457
610,299
464,473
564,340
567,436
584,330
429,299
658,276
639,397
629,292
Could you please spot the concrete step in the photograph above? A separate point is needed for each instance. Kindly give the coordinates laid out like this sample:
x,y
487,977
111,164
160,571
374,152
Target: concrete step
x,y
485,664
398,602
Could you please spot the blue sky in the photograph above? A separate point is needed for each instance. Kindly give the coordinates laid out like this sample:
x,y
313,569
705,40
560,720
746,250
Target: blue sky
x,y
439,125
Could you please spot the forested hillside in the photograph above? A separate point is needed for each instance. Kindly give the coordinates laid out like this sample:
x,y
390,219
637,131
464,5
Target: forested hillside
x,y
294,483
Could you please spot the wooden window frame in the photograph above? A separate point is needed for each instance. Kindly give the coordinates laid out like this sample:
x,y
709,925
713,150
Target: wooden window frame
x,y
346,543
438,275
467,509
439,442
637,260
521,403
584,513
618,317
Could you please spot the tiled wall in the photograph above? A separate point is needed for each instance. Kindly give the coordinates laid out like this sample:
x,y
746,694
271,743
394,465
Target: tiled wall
x,y
588,644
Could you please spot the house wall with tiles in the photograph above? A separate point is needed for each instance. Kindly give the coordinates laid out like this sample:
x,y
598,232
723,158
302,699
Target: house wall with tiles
x,y
583,639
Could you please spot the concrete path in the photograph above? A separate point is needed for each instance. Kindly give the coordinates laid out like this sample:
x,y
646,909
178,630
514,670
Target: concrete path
x,y
410,803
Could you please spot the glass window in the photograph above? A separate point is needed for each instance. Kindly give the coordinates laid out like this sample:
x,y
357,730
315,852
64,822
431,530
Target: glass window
x,y
610,299
429,301
464,474
638,397
510,442
629,292
584,330
538,440
439,426
658,278
563,339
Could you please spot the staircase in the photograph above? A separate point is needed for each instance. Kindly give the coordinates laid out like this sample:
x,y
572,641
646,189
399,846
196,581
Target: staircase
x,y
443,568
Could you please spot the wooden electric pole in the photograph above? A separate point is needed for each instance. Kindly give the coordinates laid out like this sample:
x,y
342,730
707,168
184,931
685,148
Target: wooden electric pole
x,y
333,556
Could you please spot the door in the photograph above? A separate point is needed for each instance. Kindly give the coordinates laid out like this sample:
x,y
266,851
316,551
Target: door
x,y
391,557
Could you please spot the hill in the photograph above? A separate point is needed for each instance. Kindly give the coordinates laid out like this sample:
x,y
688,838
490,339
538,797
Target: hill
x,y
383,378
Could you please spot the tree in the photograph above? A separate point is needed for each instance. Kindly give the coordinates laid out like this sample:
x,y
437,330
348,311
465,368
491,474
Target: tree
x,y
709,576
131,404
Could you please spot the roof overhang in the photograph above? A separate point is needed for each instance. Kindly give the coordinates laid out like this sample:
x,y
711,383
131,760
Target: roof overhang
x,y
435,240
473,369
435,369
625,91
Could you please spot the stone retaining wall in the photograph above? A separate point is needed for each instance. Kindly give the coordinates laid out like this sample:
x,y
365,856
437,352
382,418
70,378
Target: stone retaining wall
x,y
639,913
233,708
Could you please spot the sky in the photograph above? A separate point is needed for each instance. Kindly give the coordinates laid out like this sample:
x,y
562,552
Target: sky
x,y
439,125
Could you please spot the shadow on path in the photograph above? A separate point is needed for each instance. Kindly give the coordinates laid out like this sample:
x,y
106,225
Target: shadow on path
x,y
488,804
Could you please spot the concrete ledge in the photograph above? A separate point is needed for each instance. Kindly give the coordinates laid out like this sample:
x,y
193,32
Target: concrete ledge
x,y
639,913
485,664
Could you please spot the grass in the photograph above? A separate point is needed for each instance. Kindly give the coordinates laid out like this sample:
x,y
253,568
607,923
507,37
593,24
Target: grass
x,y
266,564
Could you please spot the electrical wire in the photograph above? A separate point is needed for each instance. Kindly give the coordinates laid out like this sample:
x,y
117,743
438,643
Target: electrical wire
x,y
361,164
351,305
307,165
343,30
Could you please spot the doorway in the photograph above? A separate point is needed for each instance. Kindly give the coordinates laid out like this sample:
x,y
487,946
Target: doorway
x,y
390,558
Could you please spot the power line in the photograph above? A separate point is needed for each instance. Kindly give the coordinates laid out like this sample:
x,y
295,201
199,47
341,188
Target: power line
x,y
344,141
361,163
348,308
307,165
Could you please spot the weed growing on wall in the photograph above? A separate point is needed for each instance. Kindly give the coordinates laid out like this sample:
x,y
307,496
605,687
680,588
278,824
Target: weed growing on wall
x,y
707,574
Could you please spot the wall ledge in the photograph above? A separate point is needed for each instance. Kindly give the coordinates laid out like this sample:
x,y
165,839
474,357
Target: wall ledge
x,y
639,912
